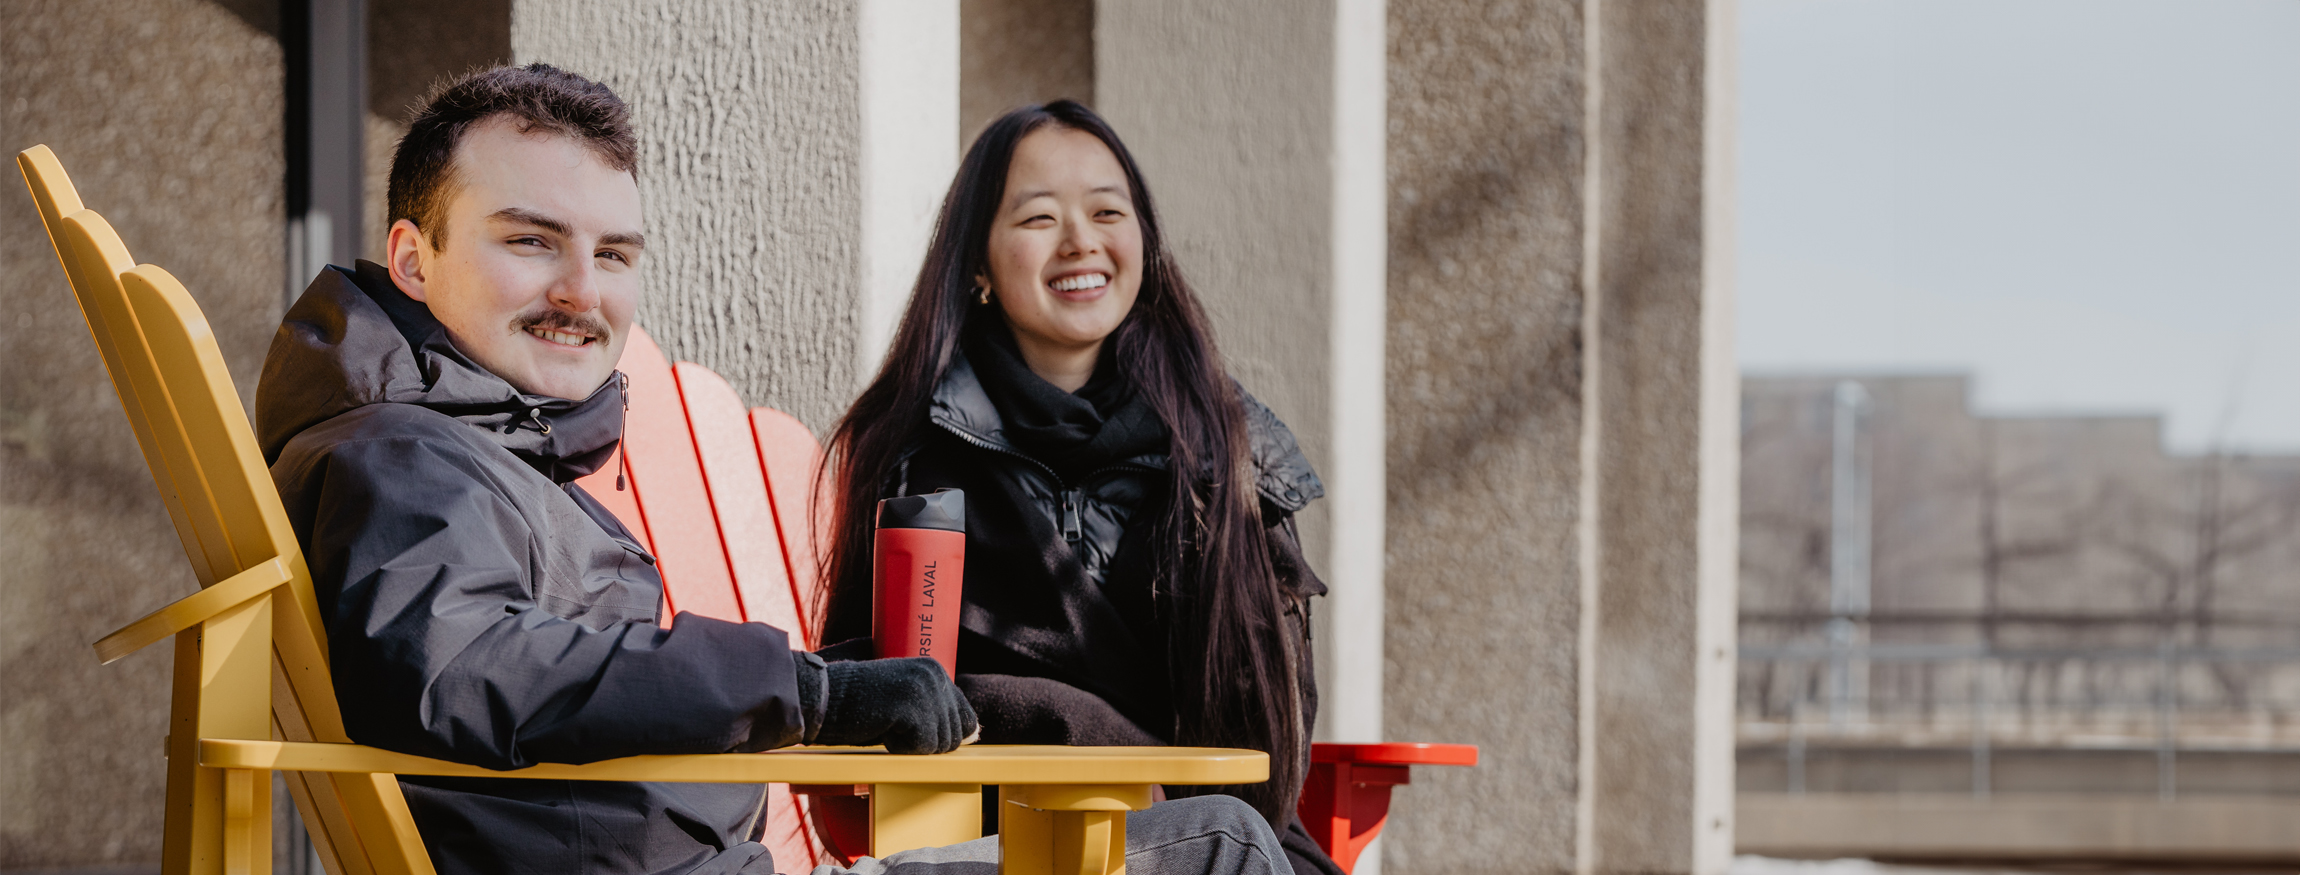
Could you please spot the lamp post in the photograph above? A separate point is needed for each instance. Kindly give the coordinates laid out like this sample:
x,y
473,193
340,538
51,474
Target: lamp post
x,y
1849,536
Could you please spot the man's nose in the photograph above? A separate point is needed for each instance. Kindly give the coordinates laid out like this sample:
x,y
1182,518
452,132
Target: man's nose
x,y
577,290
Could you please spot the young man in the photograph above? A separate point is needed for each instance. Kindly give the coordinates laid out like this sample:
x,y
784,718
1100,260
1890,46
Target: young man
x,y
425,419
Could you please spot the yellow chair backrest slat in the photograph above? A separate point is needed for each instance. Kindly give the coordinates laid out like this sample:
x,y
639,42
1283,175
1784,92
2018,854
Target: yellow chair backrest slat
x,y
54,192
232,478
102,258
351,817
51,189
195,436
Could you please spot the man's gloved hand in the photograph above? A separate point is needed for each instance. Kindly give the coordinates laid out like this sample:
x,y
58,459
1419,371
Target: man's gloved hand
x,y
909,705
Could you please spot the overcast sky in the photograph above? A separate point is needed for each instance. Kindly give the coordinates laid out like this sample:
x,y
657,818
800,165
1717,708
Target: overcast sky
x,y
2089,205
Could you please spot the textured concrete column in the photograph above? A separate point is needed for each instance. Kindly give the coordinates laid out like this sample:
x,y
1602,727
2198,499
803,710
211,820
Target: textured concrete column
x,y
1666,465
1259,128
1562,424
767,228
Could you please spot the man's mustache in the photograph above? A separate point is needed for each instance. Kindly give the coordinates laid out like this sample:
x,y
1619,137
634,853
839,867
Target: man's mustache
x,y
565,323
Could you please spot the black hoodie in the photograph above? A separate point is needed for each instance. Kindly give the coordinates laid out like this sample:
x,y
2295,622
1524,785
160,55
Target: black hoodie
x,y
481,608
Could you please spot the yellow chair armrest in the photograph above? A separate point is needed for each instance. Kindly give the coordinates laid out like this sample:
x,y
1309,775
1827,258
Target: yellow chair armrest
x,y
193,609
975,764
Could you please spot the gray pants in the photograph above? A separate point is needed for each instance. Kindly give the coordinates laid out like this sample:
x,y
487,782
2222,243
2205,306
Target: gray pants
x,y
1201,835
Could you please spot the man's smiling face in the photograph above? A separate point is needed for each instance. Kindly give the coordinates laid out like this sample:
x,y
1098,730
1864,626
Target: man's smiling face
x,y
538,276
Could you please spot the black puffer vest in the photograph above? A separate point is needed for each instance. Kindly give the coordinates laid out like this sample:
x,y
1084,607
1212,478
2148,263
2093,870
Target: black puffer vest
x,y
1058,582
1061,639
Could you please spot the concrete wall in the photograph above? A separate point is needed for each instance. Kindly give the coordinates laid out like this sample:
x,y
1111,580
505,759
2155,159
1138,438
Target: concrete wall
x,y
1241,180
411,46
1016,52
1560,465
167,115
1487,146
1261,130
749,118
1665,384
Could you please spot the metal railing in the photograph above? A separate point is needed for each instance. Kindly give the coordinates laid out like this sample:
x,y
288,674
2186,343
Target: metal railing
x,y
1849,692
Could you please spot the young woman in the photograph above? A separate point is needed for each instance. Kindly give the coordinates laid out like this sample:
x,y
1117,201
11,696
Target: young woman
x,y
1133,575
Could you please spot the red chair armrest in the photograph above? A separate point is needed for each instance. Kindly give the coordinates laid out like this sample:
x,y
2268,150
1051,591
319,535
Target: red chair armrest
x,y
1346,798
1395,753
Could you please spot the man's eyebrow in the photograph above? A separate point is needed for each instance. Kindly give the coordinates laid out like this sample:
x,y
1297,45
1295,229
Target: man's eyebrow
x,y
526,216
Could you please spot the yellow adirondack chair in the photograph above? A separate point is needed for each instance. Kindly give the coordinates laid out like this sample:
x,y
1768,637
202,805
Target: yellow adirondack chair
x,y
252,693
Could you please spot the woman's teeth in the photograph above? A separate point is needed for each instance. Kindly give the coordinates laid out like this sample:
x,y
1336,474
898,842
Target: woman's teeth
x,y
1080,283
556,337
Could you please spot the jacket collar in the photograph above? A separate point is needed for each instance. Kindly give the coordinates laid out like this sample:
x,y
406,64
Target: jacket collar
x,y
355,339
1282,475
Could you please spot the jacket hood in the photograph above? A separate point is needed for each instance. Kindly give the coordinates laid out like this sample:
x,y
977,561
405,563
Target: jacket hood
x,y
1283,475
354,339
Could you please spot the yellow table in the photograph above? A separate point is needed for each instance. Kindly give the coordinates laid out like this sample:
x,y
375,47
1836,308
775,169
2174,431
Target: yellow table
x,y
1064,807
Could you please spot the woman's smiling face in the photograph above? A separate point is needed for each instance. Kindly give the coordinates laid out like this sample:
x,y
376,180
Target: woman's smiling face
x,y
1066,248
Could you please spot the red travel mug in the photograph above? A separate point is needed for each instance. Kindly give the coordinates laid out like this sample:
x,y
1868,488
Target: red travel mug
x,y
917,573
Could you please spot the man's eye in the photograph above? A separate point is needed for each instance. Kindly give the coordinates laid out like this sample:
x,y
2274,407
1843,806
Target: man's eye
x,y
527,241
609,253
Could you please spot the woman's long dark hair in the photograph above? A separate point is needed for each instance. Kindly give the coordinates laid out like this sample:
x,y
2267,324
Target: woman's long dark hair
x,y
1231,666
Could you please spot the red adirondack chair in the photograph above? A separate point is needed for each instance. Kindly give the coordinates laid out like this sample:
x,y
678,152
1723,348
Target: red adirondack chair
x,y
708,487
722,496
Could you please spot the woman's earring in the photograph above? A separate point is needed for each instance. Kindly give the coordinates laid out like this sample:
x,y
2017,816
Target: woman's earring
x,y
982,294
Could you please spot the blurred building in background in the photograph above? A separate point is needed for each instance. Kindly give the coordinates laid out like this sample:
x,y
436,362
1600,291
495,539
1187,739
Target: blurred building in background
x,y
2092,642
1476,254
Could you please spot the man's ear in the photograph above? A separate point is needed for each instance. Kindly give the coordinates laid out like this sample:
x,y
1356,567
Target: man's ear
x,y
404,253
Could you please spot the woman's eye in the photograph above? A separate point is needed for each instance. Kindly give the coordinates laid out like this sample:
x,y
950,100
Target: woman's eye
x,y
1038,221
1109,214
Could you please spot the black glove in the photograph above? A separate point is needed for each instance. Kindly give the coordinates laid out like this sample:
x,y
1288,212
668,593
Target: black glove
x,y
909,705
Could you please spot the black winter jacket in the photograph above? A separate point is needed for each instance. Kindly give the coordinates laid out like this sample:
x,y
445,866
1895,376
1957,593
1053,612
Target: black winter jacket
x,y
1059,641
482,608
1057,581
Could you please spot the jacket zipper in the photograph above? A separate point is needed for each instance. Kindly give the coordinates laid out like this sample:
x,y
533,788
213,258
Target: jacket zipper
x,y
985,444
622,434
1072,530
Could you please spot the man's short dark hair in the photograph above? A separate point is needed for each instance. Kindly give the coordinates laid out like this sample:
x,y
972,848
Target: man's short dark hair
x,y
536,97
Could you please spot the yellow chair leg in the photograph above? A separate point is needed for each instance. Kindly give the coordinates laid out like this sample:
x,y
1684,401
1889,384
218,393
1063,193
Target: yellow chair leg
x,y
1090,842
229,811
1067,829
1025,837
184,839
908,816
239,812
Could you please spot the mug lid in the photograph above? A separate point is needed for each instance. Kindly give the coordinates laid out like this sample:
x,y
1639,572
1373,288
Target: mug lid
x,y
943,509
